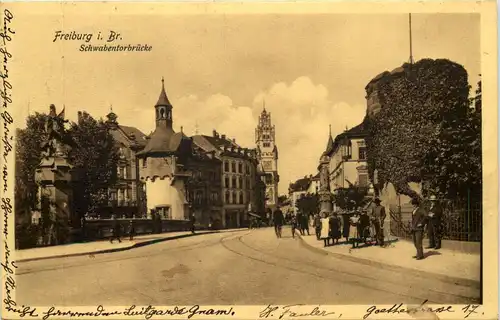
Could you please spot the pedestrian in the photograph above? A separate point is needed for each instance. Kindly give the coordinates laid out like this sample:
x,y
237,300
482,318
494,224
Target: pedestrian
x,y
335,228
131,230
115,229
325,229
434,223
305,224
354,229
378,217
364,226
317,225
345,226
295,224
418,221
192,222
298,216
278,220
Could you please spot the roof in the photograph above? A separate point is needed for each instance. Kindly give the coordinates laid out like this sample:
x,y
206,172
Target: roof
x,y
134,134
163,99
165,141
358,131
211,143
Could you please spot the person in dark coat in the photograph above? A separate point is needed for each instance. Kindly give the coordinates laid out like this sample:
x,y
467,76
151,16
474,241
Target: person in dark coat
x,y
298,217
304,224
116,229
435,215
317,225
364,226
192,222
345,226
418,222
294,224
278,220
131,230
378,217
335,228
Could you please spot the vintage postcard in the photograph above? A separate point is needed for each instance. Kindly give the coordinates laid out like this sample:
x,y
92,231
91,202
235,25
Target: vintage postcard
x,y
279,160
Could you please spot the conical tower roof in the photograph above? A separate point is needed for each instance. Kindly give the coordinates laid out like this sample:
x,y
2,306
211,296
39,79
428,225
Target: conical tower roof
x,y
163,99
329,144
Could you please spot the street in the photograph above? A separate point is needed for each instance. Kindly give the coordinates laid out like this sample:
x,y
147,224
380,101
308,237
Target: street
x,y
244,267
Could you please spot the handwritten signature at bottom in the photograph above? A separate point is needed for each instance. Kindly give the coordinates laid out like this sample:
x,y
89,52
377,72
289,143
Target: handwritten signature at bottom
x,y
291,311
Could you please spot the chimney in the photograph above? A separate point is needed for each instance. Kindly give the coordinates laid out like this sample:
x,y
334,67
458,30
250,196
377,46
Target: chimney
x,y
214,134
80,115
234,140
223,137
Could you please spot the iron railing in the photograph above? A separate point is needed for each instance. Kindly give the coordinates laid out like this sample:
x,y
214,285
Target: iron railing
x,y
461,222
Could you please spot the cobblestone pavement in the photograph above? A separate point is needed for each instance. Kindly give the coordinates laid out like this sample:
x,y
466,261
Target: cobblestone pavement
x,y
247,267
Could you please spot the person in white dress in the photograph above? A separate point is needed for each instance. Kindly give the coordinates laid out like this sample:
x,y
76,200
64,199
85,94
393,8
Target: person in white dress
x,y
325,228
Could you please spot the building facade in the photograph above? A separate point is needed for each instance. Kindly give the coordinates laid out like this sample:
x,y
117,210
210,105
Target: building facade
x,y
267,153
297,190
126,196
347,159
238,174
313,187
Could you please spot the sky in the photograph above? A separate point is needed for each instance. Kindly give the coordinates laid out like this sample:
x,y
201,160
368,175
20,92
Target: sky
x,y
310,69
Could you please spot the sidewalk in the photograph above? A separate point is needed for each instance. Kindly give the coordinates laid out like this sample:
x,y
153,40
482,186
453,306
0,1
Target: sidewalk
x,y
104,246
444,263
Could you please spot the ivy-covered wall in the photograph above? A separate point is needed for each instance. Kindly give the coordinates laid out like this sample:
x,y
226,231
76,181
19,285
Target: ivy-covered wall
x,y
422,128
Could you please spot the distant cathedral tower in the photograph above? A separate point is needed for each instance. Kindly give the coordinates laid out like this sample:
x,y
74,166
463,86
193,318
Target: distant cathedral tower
x,y
267,153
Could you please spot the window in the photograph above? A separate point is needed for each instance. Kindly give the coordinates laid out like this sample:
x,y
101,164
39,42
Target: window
x,y
363,180
226,182
233,167
226,166
228,197
240,167
240,183
267,144
362,153
241,198
234,183
248,169
249,183
164,212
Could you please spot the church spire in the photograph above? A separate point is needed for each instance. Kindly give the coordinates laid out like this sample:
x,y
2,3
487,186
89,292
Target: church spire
x,y
163,109
329,144
163,99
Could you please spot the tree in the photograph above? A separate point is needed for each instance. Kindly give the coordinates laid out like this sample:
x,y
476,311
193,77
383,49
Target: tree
x,y
28,157
424,129
282,200
308,203
351,198
95,161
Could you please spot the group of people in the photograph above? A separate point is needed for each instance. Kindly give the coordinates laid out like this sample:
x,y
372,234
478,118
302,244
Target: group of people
x,y
356,226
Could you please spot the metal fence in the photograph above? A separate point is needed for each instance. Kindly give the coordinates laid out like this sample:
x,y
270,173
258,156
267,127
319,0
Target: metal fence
x,y
461,222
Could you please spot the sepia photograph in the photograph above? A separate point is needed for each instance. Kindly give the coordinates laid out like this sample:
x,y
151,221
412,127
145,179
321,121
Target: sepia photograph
x,y
193,155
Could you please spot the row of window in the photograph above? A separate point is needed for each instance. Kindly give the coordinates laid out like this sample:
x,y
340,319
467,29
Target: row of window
x,y
121,195
236,197
232,166
237,182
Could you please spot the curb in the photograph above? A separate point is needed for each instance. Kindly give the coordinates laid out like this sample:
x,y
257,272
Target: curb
x,y
132,246
386,266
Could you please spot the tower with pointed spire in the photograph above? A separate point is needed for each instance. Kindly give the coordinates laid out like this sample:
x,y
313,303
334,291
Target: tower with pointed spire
x,y
164,162
267,153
